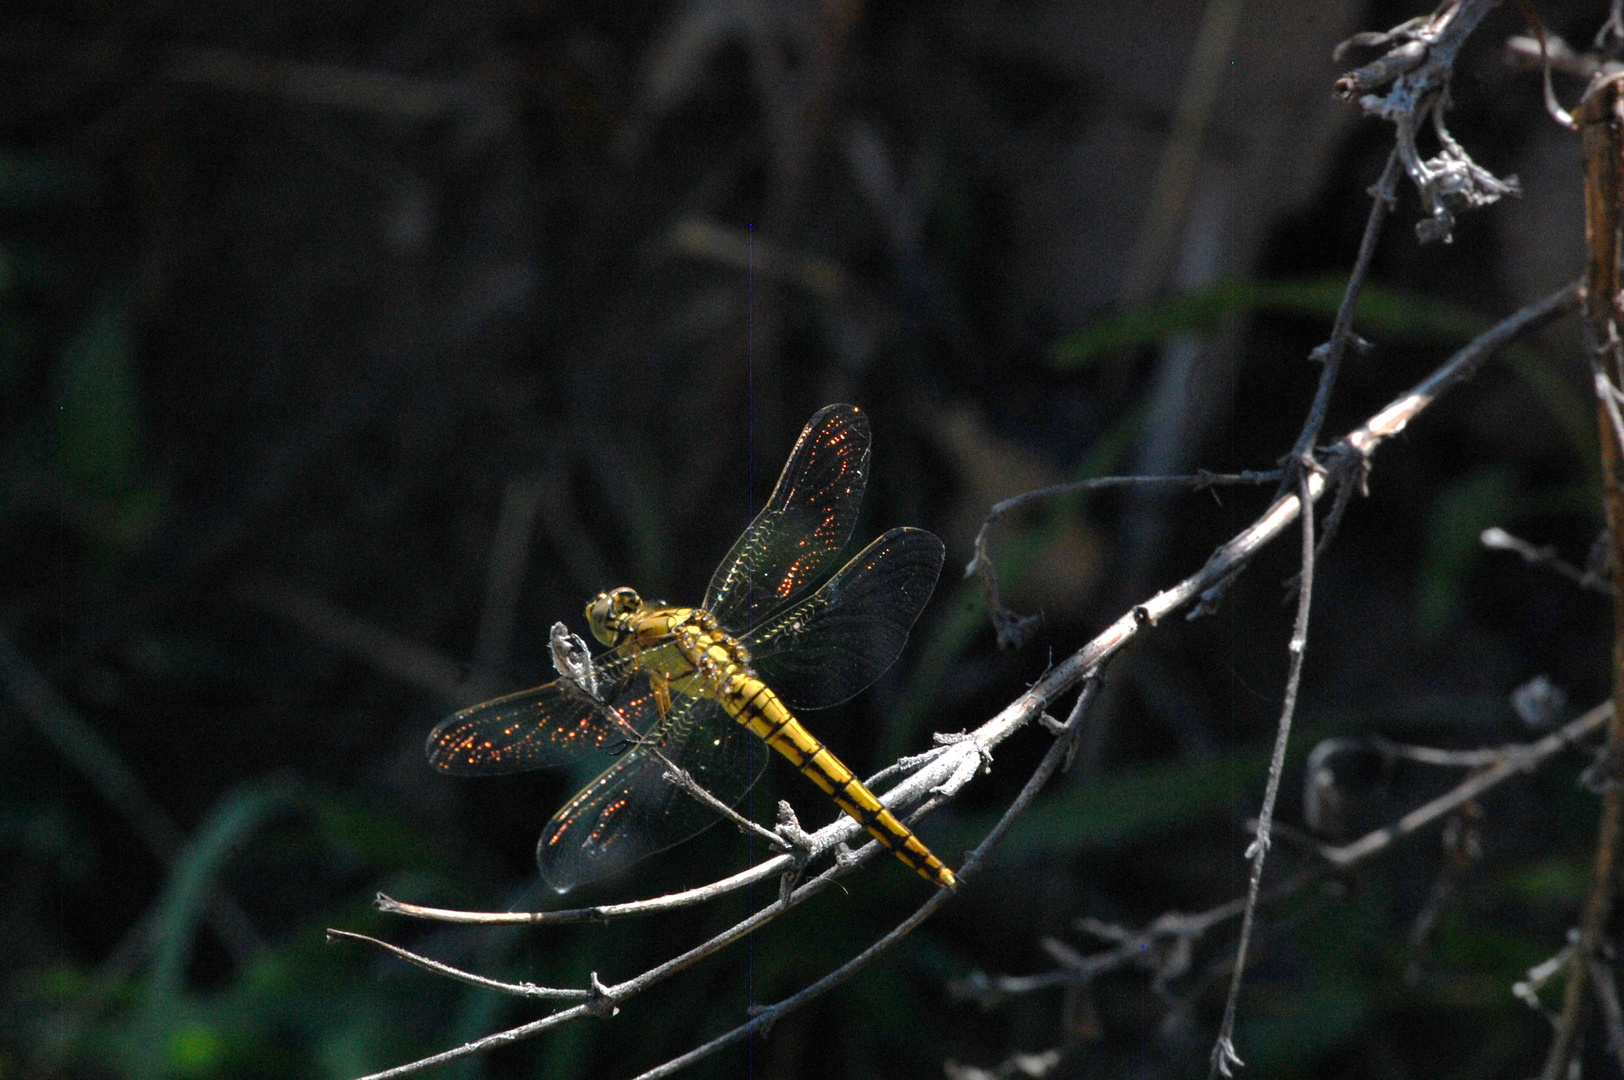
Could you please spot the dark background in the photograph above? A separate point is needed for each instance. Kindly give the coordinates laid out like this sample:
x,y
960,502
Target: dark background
x,y
345,347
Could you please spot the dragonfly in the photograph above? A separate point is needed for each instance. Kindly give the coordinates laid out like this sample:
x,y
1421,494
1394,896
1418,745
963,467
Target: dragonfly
x,y
699,688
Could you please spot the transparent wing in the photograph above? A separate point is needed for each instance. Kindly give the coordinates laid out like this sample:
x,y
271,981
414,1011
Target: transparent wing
x,y
805,523
837,641
547,725
631,811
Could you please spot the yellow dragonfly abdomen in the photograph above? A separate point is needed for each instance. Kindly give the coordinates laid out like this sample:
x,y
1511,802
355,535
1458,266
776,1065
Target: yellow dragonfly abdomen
x,y
695,657
752,703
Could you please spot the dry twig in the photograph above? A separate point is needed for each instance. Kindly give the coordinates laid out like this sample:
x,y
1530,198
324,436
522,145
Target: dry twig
x,y
1175,933
1224,1056
1600,118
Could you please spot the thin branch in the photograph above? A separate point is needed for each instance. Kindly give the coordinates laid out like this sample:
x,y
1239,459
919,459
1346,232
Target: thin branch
x,y
1478,758
1607,395
1382,195
1515,760
1012,628
818,842
1226,561
606,998
1134,948
702,238
1497,539
1181,156
973,862
1444,759
1198,481
406,660
1139,949
1223,1050
1419,70
684,781
335,86
1524,52
1032,1065
1600,142
525,990
1601,975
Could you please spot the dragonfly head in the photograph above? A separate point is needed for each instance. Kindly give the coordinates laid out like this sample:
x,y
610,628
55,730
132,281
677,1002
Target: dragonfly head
x,y
610,614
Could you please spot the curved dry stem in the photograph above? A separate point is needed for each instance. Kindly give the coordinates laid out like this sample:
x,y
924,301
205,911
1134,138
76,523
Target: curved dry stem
x,y
1133,948
1011,627
527,990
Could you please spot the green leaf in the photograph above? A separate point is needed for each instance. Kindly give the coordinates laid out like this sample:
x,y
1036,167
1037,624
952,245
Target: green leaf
x,y
1455,523
1379,311
187,892
379,839
1312,1020
195,1050
97,427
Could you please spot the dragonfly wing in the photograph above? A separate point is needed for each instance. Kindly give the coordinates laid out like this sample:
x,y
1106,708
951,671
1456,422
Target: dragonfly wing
x,y
548,725
632,811
804,525
837,641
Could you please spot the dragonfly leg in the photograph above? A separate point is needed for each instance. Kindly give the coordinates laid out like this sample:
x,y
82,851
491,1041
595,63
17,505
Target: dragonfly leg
x,y
661,685
799,842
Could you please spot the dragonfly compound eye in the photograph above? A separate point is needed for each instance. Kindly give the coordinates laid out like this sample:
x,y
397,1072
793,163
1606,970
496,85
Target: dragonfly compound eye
x,y
608,612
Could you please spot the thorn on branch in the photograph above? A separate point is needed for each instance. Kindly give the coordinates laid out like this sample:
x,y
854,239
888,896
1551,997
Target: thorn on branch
x,y
1539,701
1213,597
1527,990
972,766
602,999
1224,1059
789,828
767,1014
798,842
1604,774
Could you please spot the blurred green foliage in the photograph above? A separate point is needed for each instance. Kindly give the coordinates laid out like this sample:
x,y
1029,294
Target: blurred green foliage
x,y
345,406
301,1008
